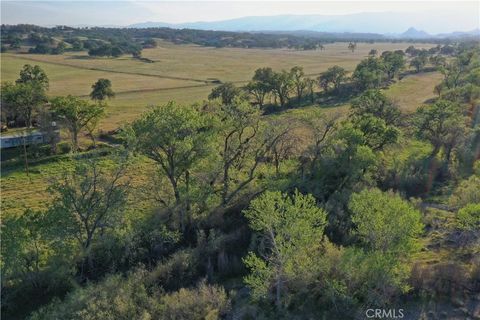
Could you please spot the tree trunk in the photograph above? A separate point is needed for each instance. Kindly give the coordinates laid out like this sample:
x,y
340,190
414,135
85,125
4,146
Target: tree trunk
x,y
75,139
225,184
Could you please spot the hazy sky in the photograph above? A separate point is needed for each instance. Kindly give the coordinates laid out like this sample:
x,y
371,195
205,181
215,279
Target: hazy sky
x,y
435,16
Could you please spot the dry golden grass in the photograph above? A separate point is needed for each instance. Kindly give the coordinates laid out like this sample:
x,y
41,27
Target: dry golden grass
x,y
69,80
139,84
191,62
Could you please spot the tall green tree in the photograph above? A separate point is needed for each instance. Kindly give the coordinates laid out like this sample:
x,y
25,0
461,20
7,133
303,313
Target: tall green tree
x,y
298,79
375,103
334,75
21,100
369,73
394,62
176,137
385,222
443,124
89,200
376,116
30,74
290,230
240,147
418,63
76,114
226,92
101,90
282,85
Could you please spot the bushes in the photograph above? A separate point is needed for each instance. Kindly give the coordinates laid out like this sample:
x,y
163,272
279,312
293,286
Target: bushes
x,y
131,298
468,218
115,298
204,302
445,279
405,167
385,222
468,191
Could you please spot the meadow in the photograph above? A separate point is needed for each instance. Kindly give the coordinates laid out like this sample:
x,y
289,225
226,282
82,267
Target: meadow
x,y
185,73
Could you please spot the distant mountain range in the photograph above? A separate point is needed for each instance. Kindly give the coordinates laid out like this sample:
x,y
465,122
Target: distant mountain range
x,y
361,23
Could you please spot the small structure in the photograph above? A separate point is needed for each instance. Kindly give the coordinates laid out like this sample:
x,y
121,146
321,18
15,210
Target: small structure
x,y
19,139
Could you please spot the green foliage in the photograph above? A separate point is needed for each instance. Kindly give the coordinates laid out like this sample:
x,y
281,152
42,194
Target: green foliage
x,y
113,298
227,92
204,302
101,90
149,43
27,249
177,138
20,101
34,262
345,163
334,75
375,103
240,147
442,124
298,79
77,114
376,116
468,218
405,166
371,278
467,192
281,86
369,73
376,132
384,222
60,48
211,159
290,231
30,74
133,297
418,63
261,85
394,62
88,201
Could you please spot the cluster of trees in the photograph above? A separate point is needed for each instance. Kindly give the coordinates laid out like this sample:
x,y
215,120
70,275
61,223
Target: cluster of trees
x,y
44,41
115,50
310,214
279,87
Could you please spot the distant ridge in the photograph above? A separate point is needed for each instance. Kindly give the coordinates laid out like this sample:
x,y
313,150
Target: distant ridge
x,y
372,24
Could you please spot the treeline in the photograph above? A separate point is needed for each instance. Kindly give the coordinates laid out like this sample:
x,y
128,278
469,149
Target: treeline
x,y
15,35
257,216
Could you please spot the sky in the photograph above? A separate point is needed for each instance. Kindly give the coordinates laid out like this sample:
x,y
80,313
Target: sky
x,y
436,16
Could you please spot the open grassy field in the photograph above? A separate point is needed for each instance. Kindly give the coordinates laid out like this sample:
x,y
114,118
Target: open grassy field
x,y
183,72
413,90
